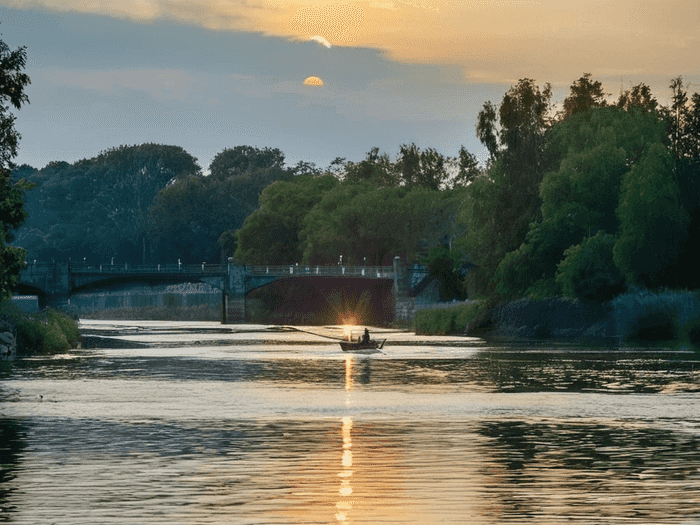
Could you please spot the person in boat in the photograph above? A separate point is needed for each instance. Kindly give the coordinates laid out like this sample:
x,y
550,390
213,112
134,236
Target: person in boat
x,y
365,337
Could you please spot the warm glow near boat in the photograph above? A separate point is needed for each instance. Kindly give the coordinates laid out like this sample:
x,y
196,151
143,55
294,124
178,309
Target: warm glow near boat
x,y
347,330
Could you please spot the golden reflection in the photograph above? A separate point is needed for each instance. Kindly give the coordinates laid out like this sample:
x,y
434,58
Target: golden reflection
x,y
348,376
345,475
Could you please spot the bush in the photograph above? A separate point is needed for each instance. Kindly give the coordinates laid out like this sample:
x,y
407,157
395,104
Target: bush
x,y
447,320
45,332
588,271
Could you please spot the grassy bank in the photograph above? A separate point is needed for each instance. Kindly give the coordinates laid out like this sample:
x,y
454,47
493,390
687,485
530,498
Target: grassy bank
x,y
637,316
45,332
642,315
447,320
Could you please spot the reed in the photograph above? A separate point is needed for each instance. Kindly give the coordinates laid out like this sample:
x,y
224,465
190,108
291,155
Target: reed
x,y
643,315
446,320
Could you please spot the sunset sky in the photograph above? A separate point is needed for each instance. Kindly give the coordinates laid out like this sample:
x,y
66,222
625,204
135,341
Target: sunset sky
x,y
319,79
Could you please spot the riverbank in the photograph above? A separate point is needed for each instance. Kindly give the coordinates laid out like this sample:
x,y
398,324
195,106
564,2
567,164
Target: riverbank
x,y
45,332
636,316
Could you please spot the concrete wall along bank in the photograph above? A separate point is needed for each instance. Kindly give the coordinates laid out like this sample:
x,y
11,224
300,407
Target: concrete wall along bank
x,y
172,296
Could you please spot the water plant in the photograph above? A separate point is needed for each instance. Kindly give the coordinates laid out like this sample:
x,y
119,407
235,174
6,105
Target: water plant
x,y
644,315
46,332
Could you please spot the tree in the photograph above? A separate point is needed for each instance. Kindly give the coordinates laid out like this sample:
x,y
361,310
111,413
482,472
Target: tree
x,y
584,94
375,168
588,271
408,164
468,168
518,162
236,161
639,97
653,224
595,149
271,234
98,208
373,225
13,82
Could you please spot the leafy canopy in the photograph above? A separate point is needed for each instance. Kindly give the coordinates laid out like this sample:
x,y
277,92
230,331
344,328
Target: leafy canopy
x,y
13,82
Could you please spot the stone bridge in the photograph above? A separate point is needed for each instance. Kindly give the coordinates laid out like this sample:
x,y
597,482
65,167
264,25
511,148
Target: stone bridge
x,y
54,283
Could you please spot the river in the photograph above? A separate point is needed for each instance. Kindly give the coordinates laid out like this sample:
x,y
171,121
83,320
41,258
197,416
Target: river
x,y
198,423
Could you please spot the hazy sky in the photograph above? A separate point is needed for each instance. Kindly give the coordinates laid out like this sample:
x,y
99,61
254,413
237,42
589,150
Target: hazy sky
x,y
211,74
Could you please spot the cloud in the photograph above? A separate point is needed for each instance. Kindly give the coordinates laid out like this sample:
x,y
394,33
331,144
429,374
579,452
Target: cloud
x,y
501,40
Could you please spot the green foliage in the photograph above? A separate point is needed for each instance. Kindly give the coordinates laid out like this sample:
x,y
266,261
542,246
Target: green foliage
x,y
638,98
376,169
596,149
468,168
45,332
506,200
242,160
373,225
13,82
653,222
98,208
588,271
188,217
271,234
584,94
446,320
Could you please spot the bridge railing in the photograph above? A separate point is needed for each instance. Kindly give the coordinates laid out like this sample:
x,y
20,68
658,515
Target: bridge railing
x,y
372,272
214,269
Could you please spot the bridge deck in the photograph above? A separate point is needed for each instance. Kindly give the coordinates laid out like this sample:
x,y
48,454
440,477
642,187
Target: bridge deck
x,y
371,272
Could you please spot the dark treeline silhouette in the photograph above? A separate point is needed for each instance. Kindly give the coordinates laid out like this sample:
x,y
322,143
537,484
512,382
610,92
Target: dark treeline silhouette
x,y
581,198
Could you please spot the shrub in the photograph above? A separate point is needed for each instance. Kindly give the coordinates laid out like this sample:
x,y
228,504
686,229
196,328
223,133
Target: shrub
x,y
48,331
446,320
588,271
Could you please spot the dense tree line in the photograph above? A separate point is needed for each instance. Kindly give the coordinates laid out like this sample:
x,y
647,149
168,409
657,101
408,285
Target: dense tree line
x,y
144,203
583,198
604,196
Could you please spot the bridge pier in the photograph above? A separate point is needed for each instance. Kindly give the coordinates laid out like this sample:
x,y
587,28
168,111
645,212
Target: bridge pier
x,y
404,304
235,294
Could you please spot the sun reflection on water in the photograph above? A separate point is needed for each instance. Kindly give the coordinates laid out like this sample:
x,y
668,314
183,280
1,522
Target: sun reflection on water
x,y
345,505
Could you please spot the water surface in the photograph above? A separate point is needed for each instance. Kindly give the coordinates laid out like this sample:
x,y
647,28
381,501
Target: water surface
x,y
195,423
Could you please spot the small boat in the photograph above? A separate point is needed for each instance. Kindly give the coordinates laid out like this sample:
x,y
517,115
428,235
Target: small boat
x,y
359,346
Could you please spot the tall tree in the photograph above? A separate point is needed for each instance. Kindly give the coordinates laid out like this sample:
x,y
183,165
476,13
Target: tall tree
x,y
376,168
594,149
584,94
236,161
638,97
654,225
13,82
515,137
468,168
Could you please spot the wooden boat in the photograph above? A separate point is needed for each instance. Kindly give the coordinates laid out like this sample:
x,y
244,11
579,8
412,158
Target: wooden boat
x,y
359,346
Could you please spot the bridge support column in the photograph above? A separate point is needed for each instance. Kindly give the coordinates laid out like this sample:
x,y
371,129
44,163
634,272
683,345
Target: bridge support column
x,y
58,295
404,305
235,294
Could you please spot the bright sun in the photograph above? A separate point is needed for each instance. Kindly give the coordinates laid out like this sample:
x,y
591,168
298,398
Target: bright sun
x,y
313,81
